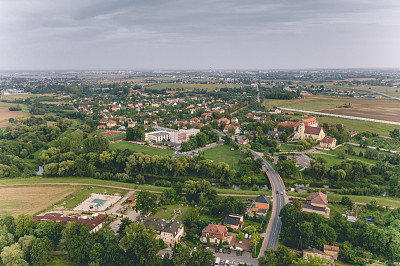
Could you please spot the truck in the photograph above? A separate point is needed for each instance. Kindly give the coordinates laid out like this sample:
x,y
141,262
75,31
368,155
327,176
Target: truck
x,y
217,260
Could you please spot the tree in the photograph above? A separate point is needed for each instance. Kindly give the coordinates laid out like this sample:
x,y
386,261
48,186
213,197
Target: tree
x,y
283,137
145,202
286,168
39,251
347,202
181,255
24,225
78,242
140,244
130,134
96,254
239,236
395,133
202,257
6,239
49,229
255,238
11,254
26,242
201,139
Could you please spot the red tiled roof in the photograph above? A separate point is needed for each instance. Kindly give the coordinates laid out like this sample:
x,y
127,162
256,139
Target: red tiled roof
x,y
332,248
318,198
327,140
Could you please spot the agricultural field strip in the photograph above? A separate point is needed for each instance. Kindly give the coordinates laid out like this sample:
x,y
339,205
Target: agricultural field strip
x,y
342,116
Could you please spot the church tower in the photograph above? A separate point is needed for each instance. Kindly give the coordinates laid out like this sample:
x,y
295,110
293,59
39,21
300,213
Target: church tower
x,y
301,129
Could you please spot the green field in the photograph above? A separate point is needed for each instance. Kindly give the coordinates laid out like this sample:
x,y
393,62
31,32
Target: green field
x,y
121,145
128,186
287,147
353,157
161,86
168,213
116,137
224,154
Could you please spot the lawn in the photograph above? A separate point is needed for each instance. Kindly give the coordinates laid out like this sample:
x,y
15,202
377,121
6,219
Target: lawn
x,y
331,160
390,144
60,260
288,147
224,154
353,157
121,145
168,213
31,200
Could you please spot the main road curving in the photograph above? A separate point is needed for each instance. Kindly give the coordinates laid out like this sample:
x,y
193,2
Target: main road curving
x,y
280,198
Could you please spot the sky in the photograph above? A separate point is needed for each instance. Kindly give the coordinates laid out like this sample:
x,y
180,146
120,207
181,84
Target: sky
x,y
186,34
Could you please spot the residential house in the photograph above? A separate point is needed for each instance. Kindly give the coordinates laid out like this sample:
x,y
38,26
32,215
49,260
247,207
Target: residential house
x,y
131,201
234,221
315,252
111,123
234,120
274,134
216,233
170,232
328,142
332,251
224,120
317,203
260,206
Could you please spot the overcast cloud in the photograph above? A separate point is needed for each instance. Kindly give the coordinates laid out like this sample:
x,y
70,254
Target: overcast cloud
x,y
181,34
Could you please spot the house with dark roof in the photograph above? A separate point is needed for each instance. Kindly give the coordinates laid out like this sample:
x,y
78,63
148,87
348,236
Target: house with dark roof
x,y
260,206
170,232
317,203
234,221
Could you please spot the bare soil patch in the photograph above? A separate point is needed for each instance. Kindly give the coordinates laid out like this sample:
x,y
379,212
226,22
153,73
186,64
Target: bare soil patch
x,y
6,114
31,200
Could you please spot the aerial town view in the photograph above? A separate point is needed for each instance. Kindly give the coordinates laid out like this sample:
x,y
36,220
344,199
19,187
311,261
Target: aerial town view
x,y
200,133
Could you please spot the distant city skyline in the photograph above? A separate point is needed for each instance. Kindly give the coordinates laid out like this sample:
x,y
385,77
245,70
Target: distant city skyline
x,y
179,35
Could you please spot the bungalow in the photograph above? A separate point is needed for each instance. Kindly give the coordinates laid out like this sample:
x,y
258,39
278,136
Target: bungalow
x,y
223,120
95,224
215,233
249,115
317,203
131,201
234,120
328,142
101,127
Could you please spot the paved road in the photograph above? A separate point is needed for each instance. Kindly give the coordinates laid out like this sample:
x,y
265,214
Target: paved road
x,y
279,200
343,116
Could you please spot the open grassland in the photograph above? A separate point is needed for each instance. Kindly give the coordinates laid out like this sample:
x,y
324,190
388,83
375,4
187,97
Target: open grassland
x,y
168,86
382,201
30,200
330,160
13,97
122,145
116,137
74,181
224,154
357,150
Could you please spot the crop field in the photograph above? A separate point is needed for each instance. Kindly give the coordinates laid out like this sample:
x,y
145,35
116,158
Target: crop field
x,y
30,200
382,109
191,86
5,114
224,154
139,148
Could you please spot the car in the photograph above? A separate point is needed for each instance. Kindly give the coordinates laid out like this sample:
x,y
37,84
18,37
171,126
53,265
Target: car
x,y
277,192
227,262
232,263
281,192
216,250
238,253
195,249
224,251
220,250
222,262
229,251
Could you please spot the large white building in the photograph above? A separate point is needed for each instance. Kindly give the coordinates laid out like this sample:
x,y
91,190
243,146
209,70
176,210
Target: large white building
x,y
176,137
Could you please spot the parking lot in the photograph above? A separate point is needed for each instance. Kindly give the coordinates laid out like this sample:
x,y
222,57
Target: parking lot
x,y
245,258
